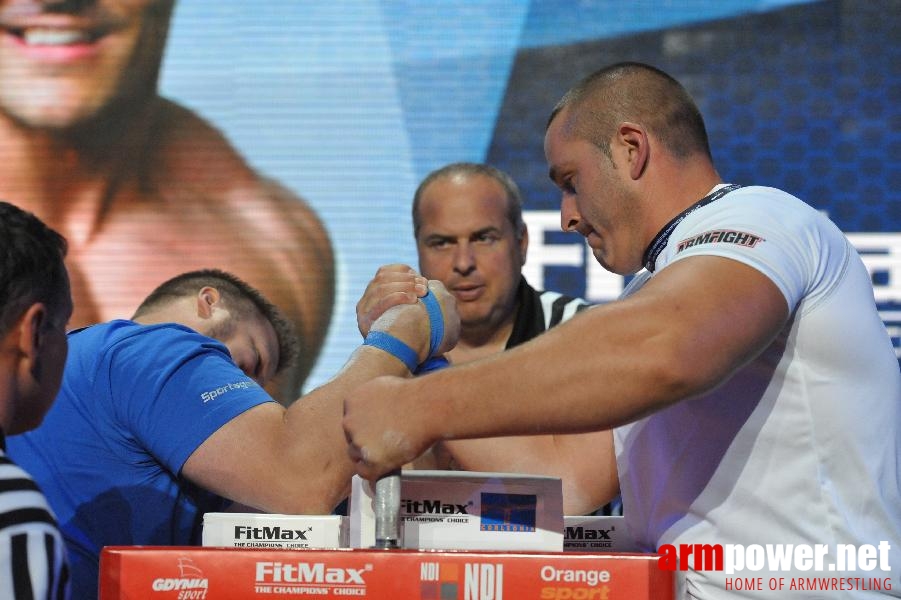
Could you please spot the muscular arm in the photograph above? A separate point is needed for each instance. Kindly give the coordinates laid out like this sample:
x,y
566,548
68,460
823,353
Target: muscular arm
x,y
295,460
290,460
687,330
587,484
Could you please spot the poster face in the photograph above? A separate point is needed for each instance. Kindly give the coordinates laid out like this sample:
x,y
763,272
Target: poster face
x,y
340,108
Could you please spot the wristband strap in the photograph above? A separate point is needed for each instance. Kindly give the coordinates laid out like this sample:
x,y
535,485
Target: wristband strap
x,y
436,321
406,354
432,364
394,347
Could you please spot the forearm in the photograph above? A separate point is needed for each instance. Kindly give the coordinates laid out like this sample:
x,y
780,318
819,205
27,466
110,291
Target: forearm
x,y
315,443
584,375
678,337
292,460
316,460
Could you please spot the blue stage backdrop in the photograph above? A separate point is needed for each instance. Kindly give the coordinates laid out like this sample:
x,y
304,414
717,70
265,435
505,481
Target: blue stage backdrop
x,y
351,103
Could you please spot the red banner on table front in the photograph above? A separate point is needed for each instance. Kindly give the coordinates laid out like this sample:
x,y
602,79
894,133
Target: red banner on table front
x,y
161,573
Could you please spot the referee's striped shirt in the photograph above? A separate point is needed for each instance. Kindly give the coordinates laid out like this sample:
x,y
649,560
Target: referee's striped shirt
x,y
33,561
538,311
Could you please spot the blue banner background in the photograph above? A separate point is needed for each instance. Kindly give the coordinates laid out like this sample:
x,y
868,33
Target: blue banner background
x,y
351,103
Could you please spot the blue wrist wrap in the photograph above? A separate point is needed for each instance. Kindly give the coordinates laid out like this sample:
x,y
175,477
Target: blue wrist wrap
x,y
394,347
432,364
404,353
436,321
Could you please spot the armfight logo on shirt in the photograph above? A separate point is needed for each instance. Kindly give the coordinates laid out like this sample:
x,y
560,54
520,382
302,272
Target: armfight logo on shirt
x,y
726,236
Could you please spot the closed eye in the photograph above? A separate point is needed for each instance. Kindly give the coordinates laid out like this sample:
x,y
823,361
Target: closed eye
x,y
567,187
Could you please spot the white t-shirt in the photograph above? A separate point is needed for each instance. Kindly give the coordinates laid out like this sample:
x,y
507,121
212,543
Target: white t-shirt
x,y
802,446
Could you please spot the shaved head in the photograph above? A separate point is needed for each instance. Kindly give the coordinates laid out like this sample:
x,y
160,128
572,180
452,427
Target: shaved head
x,y
636,93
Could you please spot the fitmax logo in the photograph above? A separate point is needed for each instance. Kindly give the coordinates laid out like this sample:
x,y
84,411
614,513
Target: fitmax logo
x,y
582,533
433,507
243,532
277,572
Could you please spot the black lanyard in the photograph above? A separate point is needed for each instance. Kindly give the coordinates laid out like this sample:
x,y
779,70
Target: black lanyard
x,y
662,238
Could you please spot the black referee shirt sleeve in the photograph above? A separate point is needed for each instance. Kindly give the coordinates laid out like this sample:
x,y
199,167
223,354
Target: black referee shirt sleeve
x,y
33,563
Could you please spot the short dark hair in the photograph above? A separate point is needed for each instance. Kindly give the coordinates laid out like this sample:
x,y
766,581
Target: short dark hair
x,y
514,197
32,265
237,294
632,91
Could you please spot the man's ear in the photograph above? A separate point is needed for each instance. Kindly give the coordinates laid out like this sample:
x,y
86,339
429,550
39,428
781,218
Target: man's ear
x,y
30,331
634,139
31,327
207,299
523,245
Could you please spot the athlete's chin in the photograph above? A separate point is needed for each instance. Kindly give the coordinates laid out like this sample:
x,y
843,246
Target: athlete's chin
x,y
610,264
602,259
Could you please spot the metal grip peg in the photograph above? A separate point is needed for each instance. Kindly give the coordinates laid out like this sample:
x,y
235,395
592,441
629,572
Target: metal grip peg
x,y
387,511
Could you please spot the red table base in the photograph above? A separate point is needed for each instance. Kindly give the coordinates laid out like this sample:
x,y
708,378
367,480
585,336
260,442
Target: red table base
x,y
150,573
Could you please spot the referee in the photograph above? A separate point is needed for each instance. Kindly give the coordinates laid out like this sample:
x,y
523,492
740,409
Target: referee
x,y
35,304
471,236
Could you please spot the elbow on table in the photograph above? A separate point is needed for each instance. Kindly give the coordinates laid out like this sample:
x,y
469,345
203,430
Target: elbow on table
x,y
316,495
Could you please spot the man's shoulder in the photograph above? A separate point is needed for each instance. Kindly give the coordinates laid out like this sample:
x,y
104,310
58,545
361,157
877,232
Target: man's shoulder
x,y
559,307
199,177
539,310
550,297
761,201
191,154
20,492
147,342
117,329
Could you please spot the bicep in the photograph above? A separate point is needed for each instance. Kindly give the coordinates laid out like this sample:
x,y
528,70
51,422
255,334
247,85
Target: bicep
x,y
238,459
719,313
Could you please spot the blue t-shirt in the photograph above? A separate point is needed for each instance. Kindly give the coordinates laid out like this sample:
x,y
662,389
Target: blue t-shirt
x,y
134,404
